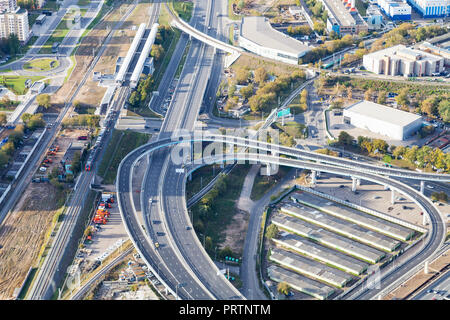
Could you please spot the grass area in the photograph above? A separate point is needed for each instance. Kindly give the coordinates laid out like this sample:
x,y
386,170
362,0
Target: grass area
x,y
44,64
292,128
51,5
17,83
58,35
143,112
122,143
263,184
295,106
183,60
402,163
60,31
200,178
83,3
224,208
231,14
183,9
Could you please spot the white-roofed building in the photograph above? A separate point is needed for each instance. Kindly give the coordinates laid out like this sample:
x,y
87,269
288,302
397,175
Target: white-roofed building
x,y
402,61
384,120
259,37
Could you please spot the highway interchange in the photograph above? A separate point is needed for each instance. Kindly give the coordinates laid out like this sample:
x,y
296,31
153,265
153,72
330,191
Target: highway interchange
x,y
179,260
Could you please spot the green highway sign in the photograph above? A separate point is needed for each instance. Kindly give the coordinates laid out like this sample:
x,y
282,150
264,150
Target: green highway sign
x,y
284,112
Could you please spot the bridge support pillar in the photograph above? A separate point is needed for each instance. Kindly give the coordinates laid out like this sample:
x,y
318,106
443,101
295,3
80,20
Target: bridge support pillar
x,y
422,186
313,177
386,187
425,269
354,184
392,196
358,182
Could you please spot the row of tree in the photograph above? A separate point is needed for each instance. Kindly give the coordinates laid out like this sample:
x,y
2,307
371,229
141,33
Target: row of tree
x,y
419,157
82,120
14,140
328,48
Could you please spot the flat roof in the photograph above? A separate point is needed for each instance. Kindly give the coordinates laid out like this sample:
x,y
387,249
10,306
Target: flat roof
x,y
259,30
301,283
353,215
342,14
394,51
341,226
328,238
322,253
380,112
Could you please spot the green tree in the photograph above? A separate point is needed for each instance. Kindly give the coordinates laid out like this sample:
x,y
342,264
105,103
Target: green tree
x,y
3,118
134,99
157,51
242,75
345,139
247,91
411,154
399,151
402,98
429,106
283,288
272,231
43,100
381,97
260,75
444,110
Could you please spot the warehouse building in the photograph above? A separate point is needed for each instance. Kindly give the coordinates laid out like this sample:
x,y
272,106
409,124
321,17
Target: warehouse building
x,y
436,50
322,253
310,267
341,226
343,18
394,123
431,8
301,283
362,218
257,36
328,238
402,61
396,10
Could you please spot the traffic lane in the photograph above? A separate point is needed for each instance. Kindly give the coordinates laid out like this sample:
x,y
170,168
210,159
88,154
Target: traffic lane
x,y
439,290
187,240
136,233
152,213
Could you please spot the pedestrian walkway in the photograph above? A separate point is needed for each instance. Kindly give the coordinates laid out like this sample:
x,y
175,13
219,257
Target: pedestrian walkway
x,y
244,201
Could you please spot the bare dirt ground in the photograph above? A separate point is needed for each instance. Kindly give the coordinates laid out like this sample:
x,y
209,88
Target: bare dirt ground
x,y
420,278
236,230
23,231
83,56
91,93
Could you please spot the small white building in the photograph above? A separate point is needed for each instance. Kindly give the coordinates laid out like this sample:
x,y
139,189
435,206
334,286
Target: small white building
x,y
402,61
384,120
257,35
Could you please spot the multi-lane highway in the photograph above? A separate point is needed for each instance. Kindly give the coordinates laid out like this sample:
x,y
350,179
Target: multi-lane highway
x,y
412,258
44,284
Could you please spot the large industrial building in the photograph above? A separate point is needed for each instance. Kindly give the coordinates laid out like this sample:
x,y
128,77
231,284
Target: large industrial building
x,y
343,18
374,18
396,10
402,61
380,119
259,37
439,51
432,8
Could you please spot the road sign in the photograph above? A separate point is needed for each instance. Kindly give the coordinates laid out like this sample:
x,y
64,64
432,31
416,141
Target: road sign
x,y
284,112
179,170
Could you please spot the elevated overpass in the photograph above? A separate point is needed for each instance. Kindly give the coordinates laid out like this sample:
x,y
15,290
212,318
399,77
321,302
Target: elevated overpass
x,y
178,221
203,37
